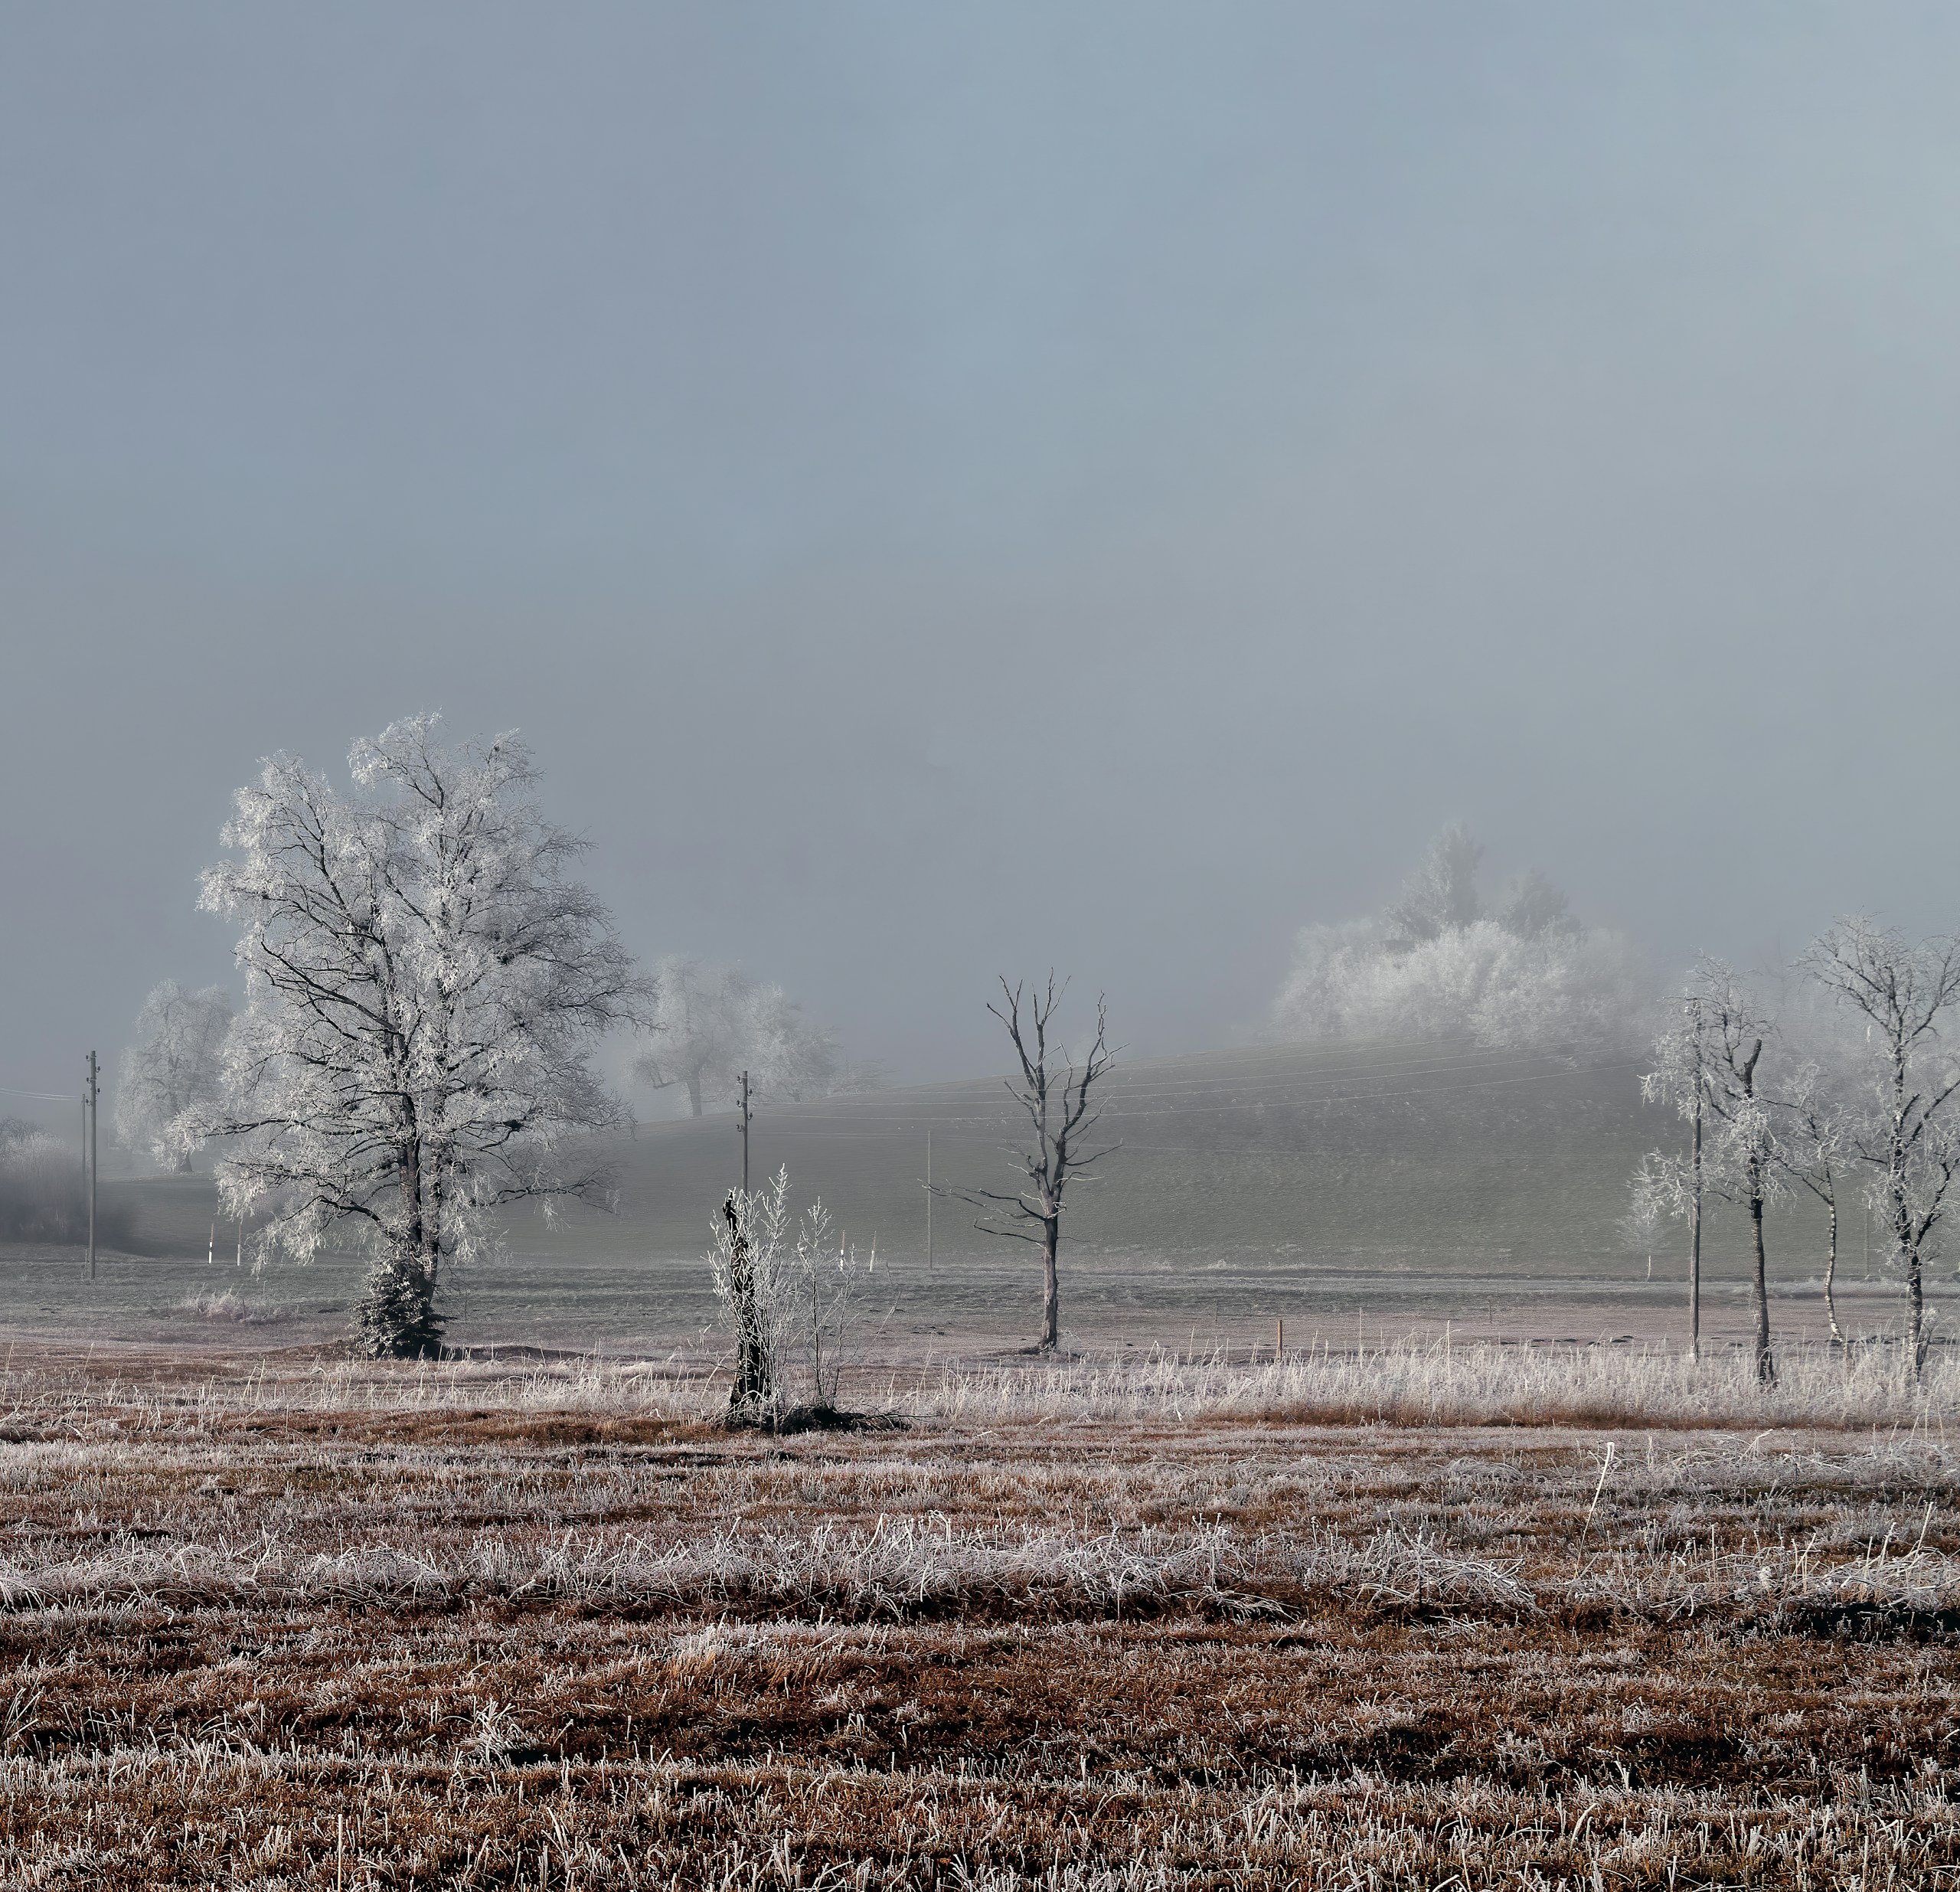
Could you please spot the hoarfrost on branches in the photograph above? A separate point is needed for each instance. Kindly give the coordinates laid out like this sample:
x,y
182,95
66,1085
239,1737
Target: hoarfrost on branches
x,y
1528,977
425,983
710,1024
786,1286
1900,1118
175,1064
1708,1066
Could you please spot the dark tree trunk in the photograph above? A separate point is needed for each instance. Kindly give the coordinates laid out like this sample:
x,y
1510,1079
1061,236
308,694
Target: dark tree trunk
x,y
396,1317
1765,1364
1694,1248
1051,1293
751,1396
1831,1277
1915,1298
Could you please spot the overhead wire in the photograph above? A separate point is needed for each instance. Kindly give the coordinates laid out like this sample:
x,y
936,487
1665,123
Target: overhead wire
x,y
1117,1101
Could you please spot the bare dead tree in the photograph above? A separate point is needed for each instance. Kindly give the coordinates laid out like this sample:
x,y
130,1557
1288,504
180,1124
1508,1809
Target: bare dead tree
x,y
1063,1122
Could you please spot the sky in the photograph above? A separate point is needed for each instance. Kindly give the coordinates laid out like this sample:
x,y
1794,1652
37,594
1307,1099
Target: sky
x,y
953,491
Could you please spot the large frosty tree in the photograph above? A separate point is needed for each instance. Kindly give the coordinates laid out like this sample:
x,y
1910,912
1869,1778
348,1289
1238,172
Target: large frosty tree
x,y
174,1064
426,981
1438,962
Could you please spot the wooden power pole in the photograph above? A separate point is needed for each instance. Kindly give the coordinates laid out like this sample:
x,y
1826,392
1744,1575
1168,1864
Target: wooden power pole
x,y
745,1141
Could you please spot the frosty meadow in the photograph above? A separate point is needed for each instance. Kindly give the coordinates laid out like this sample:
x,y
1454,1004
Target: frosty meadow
x,y
1320,1485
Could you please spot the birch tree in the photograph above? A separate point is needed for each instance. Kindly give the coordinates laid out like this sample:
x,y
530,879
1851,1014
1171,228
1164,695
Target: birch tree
x,y
1053,1091
1743,1160
1680,1080
1815,1153
1901,1125
1708,1066
425,982
174,1064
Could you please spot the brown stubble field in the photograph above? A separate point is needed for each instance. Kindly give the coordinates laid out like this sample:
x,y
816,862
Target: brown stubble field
x,y
462,1627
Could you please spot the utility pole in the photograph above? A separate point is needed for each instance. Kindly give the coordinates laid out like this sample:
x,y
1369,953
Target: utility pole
x,y
92,1101
929,1202
744,1139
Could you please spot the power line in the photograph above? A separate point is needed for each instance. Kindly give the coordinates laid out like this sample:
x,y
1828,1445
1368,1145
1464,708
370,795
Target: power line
x,y
1246,1098
976,1128
1360,1057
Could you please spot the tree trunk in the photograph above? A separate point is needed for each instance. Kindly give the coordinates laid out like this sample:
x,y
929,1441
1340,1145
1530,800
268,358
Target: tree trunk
x,y
184,1164
1766,1365
1916,1299
694,1093
1694,1247
749,1398
1830,1276
396,1318
1051,1296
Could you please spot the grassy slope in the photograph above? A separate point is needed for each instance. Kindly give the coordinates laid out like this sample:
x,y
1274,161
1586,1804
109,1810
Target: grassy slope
x,y
1357,1153
1437,1155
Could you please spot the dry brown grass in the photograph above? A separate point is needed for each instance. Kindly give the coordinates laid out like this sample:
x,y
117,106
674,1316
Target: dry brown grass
x,y
302,1627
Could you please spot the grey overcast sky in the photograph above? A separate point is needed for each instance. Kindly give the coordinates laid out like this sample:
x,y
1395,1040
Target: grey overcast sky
x,y
953,489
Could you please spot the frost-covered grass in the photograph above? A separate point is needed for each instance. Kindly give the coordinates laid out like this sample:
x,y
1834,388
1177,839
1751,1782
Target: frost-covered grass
x,y
547,1622
1437,1384
239,1309
1410,1384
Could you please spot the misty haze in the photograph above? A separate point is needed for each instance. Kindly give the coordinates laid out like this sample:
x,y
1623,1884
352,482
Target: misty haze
x,y
930,932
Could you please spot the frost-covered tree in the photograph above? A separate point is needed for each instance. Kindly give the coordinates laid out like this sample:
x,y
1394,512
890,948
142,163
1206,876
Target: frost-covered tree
x,y
1815,1151
1528,976
1654,1197
696,1022
424,982
1902,1122
1441,896
786,1286
1708,1065
1533,909
1680,1080
709,1025
174,1063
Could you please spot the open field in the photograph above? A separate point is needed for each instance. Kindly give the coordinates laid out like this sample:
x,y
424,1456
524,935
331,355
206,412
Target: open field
x,y
1472,1616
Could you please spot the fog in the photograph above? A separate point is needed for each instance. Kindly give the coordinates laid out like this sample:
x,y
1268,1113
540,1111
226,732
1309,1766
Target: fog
x,y
1095,485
